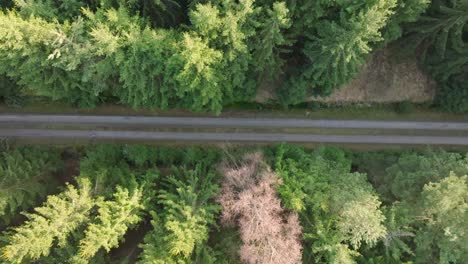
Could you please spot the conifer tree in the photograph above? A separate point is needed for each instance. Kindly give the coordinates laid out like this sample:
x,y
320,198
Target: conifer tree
x,y
337,48
114,218
268,44
51,224
26,176
187,212
341,47
440,36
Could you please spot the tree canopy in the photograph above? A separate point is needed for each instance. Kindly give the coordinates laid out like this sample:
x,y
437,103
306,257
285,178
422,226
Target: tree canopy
x,y
203,55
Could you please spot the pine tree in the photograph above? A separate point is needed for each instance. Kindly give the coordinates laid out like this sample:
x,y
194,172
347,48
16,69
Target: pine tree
x,y
196,70
406,11
187,212
228,26
26,176
439,35
268,44
335,47
51,223
341,47
114,218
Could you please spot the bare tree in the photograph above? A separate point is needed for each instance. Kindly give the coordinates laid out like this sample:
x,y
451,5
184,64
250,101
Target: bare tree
x,y
270,234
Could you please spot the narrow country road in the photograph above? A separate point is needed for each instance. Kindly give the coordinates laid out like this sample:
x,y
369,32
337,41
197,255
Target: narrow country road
x,y
202,122
26,127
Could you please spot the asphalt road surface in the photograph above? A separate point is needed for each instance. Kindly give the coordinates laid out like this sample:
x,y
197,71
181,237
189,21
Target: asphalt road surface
x,y
27,128
212,122
231,137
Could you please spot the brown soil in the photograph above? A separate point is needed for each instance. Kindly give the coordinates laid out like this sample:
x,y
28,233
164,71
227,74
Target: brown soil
x,y
383,79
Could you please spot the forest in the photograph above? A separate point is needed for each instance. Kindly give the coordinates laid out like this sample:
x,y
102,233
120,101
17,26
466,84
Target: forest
x,y
278,204
202,55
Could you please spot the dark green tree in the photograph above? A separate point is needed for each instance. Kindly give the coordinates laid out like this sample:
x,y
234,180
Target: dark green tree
x,y
268,45
337,48
440,37
187,213
26,177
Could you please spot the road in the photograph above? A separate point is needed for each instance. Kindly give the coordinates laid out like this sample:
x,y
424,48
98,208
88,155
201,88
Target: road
x,y
203,122
28,129
231,137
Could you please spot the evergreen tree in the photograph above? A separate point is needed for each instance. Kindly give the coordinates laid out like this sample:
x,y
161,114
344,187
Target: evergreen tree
x,y
268,44
49,9
26,177
114,218
228,26
187,212
196,70
340,47
51,224
406,11
439,35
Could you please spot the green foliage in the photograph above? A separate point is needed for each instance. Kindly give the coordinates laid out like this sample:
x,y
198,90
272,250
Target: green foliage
x,y
405,179
339,210
440,37
50,225
405,107
337,49
227,27
187,212
196,70
203,55
26,177
444,210
423,220
268,44
426,211
406,11
49,9
114,219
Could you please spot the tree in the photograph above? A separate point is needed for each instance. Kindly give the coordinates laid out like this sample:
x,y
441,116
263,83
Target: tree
x,y
268,44
113,220
248,199
338,210
26,176
187,212
406,178
196,70
406,11
444,211
439,35
51,223
337,50
160,13
227,26
49,9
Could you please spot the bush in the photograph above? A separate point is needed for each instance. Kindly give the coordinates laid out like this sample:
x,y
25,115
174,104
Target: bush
x,y
405,107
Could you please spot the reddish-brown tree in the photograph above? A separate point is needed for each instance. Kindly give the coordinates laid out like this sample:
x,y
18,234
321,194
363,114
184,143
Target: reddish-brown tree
x,y
270,234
